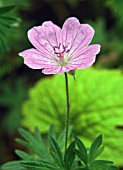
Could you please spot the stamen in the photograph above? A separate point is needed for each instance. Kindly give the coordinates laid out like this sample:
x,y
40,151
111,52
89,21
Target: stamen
x,y
67,51
58,52
59,45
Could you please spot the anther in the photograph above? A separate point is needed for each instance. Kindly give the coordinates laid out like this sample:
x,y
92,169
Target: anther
x,y
57,50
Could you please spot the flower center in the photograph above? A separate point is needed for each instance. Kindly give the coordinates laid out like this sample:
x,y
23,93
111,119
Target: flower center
x,y
60,52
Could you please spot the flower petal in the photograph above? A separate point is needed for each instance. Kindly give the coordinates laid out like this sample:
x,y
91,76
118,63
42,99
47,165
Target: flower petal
x,y
75,35
52,70
58,69
45,37
35,59
69,31
86,57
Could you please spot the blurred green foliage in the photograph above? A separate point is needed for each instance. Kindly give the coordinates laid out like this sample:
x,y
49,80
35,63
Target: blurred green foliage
x,y
6,24
11,98
10,34
9,23
10,38
96,107
22,3
111,42
117,9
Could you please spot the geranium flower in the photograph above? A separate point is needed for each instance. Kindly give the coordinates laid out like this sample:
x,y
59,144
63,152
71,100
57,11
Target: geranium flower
x,y
61,50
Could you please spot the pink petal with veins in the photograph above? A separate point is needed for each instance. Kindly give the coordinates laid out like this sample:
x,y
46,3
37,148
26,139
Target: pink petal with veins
x,y
86,57
52,70
45,37
36,60
69,30
57,70
75,35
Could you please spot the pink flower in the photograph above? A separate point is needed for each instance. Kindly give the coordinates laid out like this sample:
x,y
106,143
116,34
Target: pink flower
x,y
61,50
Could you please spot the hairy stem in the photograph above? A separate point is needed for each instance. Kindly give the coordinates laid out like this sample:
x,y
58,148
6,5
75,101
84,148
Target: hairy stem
x,y
68,109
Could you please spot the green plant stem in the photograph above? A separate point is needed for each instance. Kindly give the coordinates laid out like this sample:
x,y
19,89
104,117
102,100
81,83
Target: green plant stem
x,y
68,110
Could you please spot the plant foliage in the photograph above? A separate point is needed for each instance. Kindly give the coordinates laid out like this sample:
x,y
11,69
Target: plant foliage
x,y
96,107
116,7
7,23
50,156
11,98
11,34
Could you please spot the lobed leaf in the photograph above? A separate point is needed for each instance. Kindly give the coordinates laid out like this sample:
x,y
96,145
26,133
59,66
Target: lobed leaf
x,y
69,156
56,152
39,164
25,134
96,153
94,150
23,155
34,143
52,132
82,152
22,142
12,166
102,165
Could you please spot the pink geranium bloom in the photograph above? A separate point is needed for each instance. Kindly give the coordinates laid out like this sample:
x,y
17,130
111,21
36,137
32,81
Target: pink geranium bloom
x,y
61,50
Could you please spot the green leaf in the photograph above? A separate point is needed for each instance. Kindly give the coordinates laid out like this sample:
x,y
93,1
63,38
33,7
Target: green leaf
x,y
25,134
102,165
15,165
89,114
82,152
56,152
52,132
97,153
96,144
34,143
40,143
23,155
39,164
94,150
6,9
69,156
22,142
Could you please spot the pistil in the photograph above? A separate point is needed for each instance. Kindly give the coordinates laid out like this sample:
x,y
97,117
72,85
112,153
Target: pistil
x,y
60,52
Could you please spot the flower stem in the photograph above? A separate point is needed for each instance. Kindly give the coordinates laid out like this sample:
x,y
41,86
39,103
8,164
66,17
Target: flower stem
x,y
68,110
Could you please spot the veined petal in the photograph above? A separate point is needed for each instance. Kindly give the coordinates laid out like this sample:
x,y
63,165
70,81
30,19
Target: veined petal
x,y
75,35
52,70
69,31
45,37
58,69
51,32
85,58
35,59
